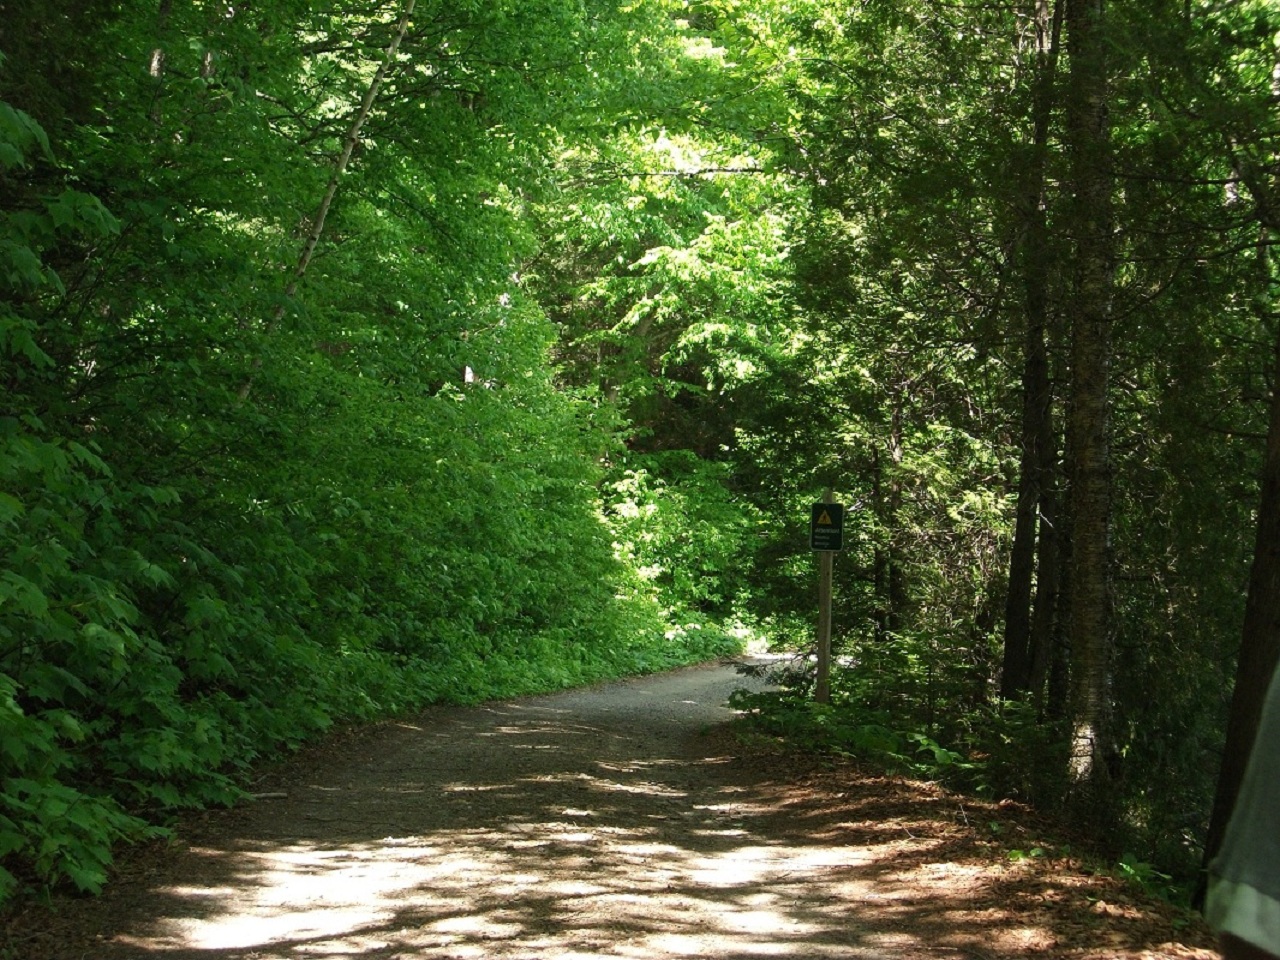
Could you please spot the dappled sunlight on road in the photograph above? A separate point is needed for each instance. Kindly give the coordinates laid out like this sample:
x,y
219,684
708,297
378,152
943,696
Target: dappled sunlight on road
x,y
610,841
558,881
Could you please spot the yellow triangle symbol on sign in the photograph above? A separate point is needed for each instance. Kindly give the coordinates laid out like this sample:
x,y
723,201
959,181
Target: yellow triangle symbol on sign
x,y
824,519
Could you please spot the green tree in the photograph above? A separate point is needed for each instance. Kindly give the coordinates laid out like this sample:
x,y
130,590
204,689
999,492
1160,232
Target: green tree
x,y
282,438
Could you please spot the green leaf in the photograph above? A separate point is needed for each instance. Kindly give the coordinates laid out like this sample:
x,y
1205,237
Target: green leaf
x,y
79,212
11,508
18,134
18,592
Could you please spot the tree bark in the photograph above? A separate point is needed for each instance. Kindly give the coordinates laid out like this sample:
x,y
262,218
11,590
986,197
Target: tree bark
x,y
887,495
880,561
1088,139
897,575
1035,476
1048,581
1055,705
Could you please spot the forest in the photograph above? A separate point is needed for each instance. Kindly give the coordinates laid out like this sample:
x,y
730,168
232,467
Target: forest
x,y
361,355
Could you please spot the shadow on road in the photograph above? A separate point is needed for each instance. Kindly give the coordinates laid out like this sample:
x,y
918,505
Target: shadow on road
x,y
616,822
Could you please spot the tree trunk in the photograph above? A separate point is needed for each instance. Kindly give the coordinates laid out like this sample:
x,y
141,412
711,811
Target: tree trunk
x,y
880,560
1048,553
1057,684
887,495
1037,428
897,576
1089,423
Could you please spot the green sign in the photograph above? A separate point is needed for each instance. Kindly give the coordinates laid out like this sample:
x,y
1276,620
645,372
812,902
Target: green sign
x,y
826,526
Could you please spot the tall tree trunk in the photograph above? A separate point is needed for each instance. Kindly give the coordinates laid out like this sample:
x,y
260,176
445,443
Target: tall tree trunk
x,y
1088,140
1037,428
1057,655
1048,580
1053,542
887,494
897,575
880,560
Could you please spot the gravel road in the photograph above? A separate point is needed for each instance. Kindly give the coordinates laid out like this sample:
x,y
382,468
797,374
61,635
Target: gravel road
x,y
621,821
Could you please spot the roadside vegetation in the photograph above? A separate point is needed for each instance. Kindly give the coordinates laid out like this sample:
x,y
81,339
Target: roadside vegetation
x,y
357,357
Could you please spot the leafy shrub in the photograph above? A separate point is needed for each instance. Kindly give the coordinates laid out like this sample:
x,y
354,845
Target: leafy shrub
x,y
849,727
189,582
677,524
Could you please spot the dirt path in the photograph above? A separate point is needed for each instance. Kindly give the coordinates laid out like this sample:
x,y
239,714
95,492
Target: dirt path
x,y
617,822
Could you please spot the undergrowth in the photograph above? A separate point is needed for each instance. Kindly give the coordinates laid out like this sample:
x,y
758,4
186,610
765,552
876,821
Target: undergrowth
x,y
1002,752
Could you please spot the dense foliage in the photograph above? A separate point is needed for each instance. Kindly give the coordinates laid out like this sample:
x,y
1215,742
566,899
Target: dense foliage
x,y
942,267
246,495
360,356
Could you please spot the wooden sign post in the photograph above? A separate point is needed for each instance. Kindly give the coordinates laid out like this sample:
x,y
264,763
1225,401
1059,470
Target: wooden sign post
x,y
826,536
